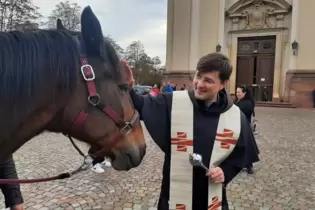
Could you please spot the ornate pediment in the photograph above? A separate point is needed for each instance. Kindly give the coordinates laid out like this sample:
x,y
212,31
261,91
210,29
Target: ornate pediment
x,y
257,14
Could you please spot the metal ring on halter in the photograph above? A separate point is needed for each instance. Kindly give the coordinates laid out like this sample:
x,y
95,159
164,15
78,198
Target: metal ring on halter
x,y
126,129
94,100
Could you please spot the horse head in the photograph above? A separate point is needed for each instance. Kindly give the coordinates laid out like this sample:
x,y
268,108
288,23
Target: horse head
x,y
108,122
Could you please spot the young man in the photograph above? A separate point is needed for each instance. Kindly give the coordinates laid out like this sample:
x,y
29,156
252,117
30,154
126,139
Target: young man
x,y
203,121
12,193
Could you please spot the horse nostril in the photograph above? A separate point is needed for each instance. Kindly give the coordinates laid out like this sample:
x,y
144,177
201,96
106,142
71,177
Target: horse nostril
x,y
130,158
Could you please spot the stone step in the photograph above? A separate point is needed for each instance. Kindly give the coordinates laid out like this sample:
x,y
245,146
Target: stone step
x,y
275,104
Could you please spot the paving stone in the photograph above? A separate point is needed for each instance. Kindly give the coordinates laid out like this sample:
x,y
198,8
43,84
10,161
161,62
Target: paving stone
x,y
283,179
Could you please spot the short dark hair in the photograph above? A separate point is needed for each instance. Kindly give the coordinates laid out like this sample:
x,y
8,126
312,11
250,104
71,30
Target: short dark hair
x,y
215,62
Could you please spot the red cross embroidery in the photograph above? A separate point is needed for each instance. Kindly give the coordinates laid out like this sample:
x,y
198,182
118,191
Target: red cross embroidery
x,y
226,138
181,141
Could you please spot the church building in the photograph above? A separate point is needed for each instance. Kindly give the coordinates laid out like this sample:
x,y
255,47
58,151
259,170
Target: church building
x,y
271,44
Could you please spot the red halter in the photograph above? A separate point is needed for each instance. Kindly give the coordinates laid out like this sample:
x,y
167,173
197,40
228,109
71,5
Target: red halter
x,y
95,100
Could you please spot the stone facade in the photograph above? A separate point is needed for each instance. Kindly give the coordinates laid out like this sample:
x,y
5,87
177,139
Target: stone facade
x,y
198,27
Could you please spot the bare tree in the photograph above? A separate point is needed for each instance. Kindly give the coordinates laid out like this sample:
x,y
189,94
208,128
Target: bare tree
x,y
117,47
27,26
14,13
135,55
146,70
156,66
68,13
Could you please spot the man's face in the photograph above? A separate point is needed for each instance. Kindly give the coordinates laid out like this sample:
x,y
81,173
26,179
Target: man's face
x,y
207,85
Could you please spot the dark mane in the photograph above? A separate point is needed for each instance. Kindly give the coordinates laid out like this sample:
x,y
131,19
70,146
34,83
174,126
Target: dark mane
x,y
31,60
112,57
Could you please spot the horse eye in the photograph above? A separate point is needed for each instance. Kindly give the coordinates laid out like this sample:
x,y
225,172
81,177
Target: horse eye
x,y
123,87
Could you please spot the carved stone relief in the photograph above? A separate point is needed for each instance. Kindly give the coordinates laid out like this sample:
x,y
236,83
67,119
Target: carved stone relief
x,y
258,14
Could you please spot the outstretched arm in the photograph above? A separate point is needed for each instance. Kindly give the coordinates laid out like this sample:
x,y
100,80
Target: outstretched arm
x,y
12,193
155,113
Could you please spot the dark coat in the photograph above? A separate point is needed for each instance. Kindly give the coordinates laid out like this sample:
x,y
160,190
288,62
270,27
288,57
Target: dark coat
x,y
12,193
156,112
247,107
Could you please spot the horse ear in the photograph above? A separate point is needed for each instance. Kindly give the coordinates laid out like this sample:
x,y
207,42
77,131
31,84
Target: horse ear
x,y
60,25
91,32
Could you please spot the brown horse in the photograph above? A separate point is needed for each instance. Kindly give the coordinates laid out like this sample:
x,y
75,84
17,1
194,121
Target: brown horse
x,y
72,83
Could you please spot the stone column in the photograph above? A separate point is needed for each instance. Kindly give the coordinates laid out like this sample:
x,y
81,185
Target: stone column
x,y
182,41
294,32
194,34
292,58
170,34
221,26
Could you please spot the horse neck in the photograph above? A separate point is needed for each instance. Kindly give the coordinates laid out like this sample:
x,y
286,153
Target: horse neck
x,y
14,118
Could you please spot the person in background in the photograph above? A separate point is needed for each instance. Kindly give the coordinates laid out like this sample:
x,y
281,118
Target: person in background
x,y
168,88
175,87
155,90
183,87
12,193
98,164
246,104
162,88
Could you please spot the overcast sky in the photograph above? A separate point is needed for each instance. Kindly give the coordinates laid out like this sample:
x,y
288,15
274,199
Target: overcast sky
x,y
127,21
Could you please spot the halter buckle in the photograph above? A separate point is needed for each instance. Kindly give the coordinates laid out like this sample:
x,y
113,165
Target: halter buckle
x,y
126,129
87,72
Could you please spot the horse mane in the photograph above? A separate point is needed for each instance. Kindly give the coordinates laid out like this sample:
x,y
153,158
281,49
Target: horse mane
x,y
30,60
111,56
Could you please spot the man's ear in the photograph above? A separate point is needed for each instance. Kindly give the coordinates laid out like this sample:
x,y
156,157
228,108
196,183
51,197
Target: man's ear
x,y
224,84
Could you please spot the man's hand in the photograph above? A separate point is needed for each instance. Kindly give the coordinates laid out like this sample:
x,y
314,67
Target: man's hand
x,y
129,73
17,207
216,175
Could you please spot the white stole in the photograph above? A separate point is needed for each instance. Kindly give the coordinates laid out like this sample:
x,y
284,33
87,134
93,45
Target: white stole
x,y
181,173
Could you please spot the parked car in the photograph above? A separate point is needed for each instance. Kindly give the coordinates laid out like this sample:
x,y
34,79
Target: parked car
x,y
142,89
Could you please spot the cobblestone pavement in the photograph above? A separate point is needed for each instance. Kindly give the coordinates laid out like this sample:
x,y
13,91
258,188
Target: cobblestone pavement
x,y
284,179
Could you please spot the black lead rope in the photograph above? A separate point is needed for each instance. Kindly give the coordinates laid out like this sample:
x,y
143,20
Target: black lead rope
x,y
75,146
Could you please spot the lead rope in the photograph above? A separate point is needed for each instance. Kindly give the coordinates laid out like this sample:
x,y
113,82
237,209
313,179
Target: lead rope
x,y
87,163
75,146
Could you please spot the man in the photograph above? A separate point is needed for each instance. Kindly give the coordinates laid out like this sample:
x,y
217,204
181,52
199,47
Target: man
x,y
169,88
175,87
12,193
203,121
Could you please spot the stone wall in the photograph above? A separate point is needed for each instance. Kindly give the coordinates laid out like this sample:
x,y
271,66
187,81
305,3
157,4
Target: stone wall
x,y
180,78
298,88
